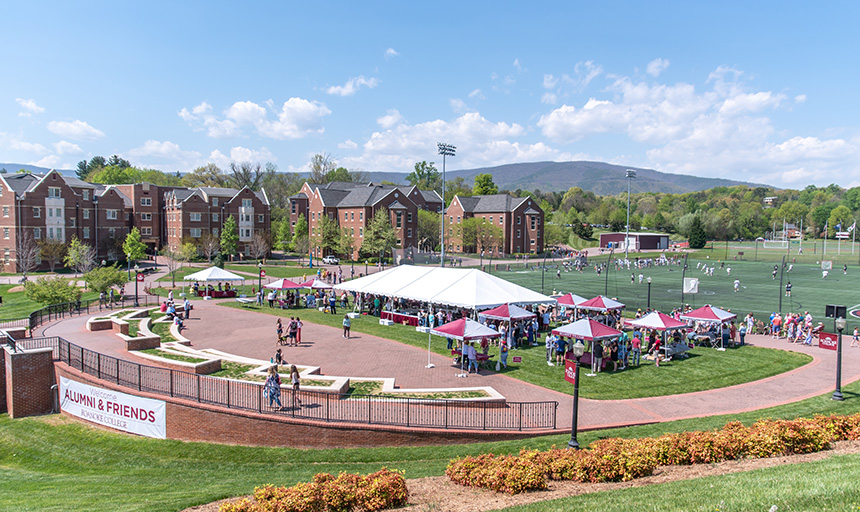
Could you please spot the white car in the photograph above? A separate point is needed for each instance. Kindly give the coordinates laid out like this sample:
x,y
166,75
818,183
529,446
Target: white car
x,y
331,260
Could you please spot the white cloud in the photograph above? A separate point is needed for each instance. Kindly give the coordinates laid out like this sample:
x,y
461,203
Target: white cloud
x,y
477,95
480,142
800,98
241,154
657,66
549,82
549,98
352,86
517,64
347,144
30,106
76,130
390,53
297,118
165,155
29,147
458,106
50,161
391,118
67,148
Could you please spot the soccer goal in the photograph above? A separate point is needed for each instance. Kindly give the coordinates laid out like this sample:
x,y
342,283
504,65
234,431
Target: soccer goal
x,y
776,244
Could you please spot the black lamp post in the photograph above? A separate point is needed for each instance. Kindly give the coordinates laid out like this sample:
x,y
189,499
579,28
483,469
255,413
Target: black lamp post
x,y
649,292
136,279
840,325
578,349
260,276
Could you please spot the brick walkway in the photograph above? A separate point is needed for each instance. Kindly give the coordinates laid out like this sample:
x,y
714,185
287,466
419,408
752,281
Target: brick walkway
x,y
251,334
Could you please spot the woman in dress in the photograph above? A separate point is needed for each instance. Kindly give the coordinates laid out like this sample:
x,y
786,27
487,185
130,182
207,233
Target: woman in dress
x,y
294,378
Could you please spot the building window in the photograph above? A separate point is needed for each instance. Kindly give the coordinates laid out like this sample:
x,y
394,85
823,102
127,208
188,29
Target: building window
x,y
501,220
361,232
491,219
6,255
37,233
399,216
519,233
86,232
533,241
293,206
112,232
5,211
71,222
247,203
409,233
313,216
146,231
85,194
351,215
86,214
6,233
260,218
54,192
345,216
111,214
450,220
214,201
458,220
58,212
214,217
50,212
519,220
361,215
194,217
409,217
214,231
145,216
533,221
146,201
37,212
195,232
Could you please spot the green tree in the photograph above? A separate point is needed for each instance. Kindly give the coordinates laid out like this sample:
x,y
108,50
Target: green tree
x,y
246,174
425,176
209,175
698,238
840,216
339,174
301,240
133,248
52,290
379,235
321,165
346,244
484,185
555,234
428,230
328,235
230,237
101,279
80,256
284,238
53,251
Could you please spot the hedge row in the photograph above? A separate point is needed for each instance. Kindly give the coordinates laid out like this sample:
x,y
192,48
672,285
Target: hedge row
x,y
328,493
616,460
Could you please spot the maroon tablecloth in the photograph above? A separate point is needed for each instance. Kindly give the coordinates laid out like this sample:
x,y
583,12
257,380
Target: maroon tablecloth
x,y
399,318
224,294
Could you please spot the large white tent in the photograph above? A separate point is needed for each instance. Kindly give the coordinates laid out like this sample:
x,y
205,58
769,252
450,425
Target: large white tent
x,y
213,274
467,288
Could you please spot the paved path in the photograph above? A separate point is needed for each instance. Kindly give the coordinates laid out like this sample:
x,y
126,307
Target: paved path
x,y
251,334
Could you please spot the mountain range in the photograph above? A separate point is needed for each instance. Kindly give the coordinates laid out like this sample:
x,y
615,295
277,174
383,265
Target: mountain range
x,y
598,177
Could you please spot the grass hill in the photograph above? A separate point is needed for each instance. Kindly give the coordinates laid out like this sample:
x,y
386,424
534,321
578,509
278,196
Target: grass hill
x,y
598,177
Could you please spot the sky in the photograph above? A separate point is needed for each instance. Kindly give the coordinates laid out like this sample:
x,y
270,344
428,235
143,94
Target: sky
x,y
756,91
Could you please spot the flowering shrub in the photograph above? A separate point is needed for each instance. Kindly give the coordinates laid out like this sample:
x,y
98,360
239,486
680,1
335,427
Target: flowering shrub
x,y
328,493
617,460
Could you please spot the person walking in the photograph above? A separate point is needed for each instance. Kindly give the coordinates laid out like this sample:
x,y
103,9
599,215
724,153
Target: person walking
x,y
346,326
187,306
272,386
279,331
636,351
742,332
788,289
549,341
855,341
294,378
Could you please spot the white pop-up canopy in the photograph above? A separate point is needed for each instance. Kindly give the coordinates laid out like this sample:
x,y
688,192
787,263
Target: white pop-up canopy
x,y
467,288
213,274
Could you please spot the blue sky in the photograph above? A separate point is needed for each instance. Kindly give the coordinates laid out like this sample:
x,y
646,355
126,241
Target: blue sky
x,y
758,91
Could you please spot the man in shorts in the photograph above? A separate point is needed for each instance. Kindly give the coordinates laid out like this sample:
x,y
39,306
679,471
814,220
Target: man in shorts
x,y
560,346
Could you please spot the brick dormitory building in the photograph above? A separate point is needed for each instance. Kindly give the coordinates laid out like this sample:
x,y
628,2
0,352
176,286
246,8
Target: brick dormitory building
x,y
54,206
353,205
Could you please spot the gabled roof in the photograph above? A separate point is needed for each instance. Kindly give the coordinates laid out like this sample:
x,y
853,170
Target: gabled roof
x,y
331,197
25,182
300,195
491,203
396,205
218,192
125,199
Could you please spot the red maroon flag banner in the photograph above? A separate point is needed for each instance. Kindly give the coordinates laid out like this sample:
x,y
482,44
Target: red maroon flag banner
x,y
570,371
827,340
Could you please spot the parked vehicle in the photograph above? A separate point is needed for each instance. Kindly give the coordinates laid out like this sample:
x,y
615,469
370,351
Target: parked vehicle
x,y
331,260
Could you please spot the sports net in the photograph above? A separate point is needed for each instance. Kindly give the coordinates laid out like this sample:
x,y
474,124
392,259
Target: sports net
x,y
776,244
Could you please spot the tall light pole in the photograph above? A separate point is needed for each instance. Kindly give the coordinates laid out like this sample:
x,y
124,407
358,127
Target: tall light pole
x,y
445,150
649,292
260,277
137,276
631,174
578,350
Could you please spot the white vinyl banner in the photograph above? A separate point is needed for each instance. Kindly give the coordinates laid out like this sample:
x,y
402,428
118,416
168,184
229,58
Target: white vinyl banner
x,y
129,413
691,285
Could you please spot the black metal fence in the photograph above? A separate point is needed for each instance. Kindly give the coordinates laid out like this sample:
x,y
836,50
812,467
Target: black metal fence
x,y
328,407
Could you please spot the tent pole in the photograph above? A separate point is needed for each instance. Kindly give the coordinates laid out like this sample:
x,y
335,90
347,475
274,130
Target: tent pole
x,y
429,364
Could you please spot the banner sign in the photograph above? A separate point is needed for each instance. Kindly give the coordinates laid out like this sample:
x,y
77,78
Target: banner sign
x,y
129,413
691,285
518,359
570,371
827,340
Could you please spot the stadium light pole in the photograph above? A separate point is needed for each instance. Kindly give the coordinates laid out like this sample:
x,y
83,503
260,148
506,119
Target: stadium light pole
x,y
631,174
445,150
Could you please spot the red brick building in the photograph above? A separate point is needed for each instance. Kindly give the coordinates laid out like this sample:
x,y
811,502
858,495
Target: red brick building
x,y
520,219
54,206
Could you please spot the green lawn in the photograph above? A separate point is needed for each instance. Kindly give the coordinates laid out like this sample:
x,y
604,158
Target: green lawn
x,y
17,305
53,463
704,369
